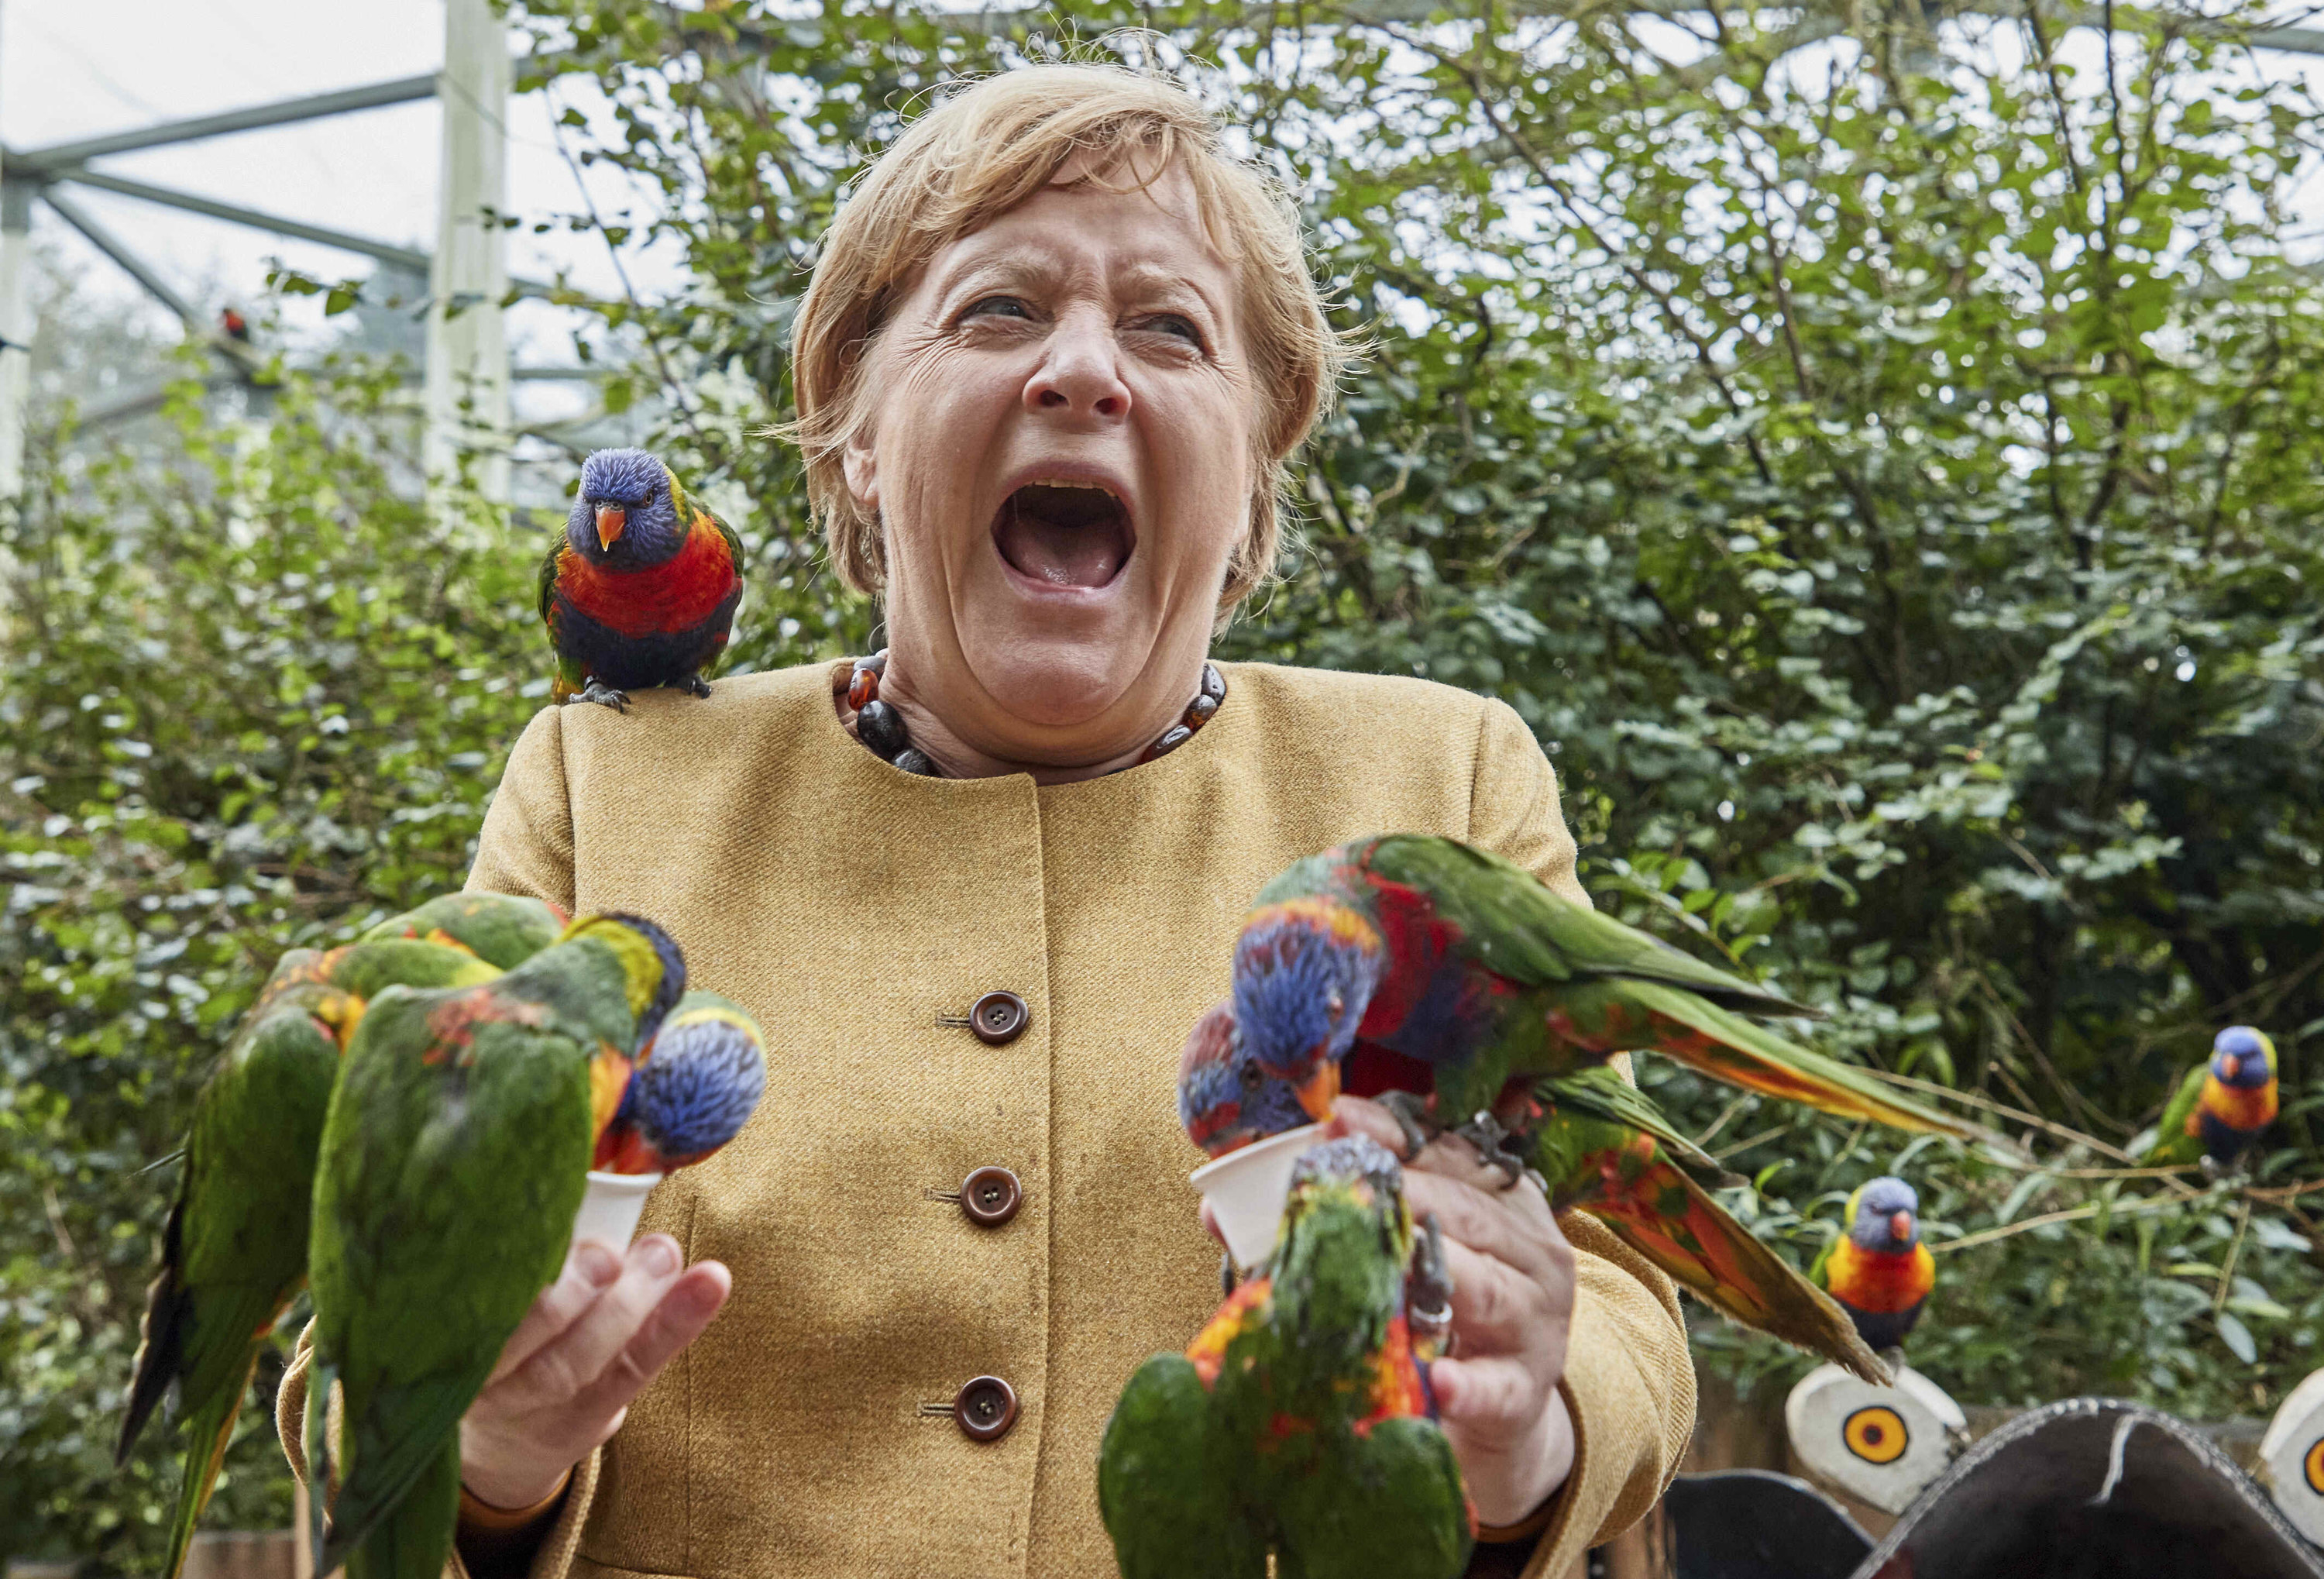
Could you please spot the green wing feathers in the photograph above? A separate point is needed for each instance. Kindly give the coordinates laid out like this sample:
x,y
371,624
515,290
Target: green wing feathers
x,y
1398,1511
2172,1144
1163,1488
1675,1223
1521,929
1728,1047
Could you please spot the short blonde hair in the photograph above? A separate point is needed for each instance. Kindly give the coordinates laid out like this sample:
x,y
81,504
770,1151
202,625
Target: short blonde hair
x,y
983,150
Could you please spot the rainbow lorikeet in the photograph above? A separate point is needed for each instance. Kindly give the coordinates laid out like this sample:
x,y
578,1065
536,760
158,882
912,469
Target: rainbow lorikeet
x,y
504,928
640,589
2223,1106
233,1250
1877,1267
693,1090
453,1161
1599,1147
1299,1422
1421,966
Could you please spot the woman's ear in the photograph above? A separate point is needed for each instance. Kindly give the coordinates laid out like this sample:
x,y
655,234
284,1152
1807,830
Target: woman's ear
x,y
861,465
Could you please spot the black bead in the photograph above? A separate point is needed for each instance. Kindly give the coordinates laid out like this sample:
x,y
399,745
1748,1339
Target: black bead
x,y
1199,711
1215,683
913,759
880,726
1177,735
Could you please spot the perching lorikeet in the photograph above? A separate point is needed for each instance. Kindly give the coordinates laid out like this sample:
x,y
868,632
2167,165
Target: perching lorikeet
x,y
503,929
2223,1106
1877,1267
693,1090
233,1250
1599,1147
1299,1421
453,1161
640,589
1422,966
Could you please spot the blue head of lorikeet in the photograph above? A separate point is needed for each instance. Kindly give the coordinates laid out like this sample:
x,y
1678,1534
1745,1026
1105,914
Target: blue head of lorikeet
x,y
1226,1100
1887,1217
2243,1057
627,515
1303,971
694,1089
653,967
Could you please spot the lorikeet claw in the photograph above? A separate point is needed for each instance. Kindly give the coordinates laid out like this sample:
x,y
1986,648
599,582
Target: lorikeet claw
x,y
1410,1112
1428,1292
619,701
693,685
1227,1279
1486,1133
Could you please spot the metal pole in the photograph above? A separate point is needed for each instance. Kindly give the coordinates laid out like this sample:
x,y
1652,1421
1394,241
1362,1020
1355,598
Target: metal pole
x,y
62,156
468,387
16,329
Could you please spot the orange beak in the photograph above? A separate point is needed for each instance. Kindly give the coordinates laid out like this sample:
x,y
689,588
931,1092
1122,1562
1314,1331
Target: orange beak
x,y
1900,1225
611,519
2230,1065
1319,1090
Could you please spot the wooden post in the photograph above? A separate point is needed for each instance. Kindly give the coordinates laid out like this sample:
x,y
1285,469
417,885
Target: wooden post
x,y
468,387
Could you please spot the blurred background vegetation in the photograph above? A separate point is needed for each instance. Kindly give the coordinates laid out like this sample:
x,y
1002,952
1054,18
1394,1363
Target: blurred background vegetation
x,y
1887,476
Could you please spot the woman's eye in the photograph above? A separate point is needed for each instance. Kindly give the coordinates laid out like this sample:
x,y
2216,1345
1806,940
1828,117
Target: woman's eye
x,y
1171,323
997,307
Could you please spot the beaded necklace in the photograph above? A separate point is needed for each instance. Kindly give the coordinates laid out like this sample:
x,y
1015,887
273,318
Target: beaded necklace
x,y
881,730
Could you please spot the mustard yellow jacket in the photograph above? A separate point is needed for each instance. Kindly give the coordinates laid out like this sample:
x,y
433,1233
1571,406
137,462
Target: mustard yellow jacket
x,y
858,913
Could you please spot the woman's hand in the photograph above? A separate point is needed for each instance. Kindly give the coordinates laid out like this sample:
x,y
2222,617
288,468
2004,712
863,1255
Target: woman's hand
x,y
588,1345
1512,1307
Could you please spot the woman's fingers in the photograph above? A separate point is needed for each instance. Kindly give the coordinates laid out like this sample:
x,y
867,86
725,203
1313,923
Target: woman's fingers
x,y
578,1355
1495,1308
589,1267
1495,1396
685,1310
1515,1225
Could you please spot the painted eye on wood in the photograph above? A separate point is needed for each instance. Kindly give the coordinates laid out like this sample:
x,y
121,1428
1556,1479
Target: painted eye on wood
x,y
1876,1434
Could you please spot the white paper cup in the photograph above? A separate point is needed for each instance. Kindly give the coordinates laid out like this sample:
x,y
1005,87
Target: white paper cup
x,y
611,1207
1246,1190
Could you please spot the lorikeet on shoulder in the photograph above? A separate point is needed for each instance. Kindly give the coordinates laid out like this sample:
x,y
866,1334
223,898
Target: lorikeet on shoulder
x,y
1299,1421
233,1250
1359,964
453,1161
504,928
1877,1267
640,589
2223,1106
1600,1146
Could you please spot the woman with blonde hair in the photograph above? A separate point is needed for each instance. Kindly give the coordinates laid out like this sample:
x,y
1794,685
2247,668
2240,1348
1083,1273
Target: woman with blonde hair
x,y
1055,354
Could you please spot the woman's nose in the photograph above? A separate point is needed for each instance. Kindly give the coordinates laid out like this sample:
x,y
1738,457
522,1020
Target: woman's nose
x,y
1079,376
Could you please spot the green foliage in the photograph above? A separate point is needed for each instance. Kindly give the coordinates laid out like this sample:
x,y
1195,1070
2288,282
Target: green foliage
x,y
1888,484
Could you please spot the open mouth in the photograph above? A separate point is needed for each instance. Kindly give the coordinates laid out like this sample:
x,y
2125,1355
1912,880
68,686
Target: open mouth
x,y
1066,534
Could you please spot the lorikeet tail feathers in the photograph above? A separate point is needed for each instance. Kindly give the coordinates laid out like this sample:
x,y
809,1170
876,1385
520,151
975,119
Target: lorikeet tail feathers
x,y
1710,1255
160,1343
415,1538
400,1436
209,1428
221,1337
1725,1046
1602,1094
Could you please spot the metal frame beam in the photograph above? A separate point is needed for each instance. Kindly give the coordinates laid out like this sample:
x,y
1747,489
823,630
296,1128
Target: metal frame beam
x,y
60,156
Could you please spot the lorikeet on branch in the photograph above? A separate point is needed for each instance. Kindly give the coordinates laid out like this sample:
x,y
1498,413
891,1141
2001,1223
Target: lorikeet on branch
x,y
2223,1106
453,1161
1877,1267
233,1251
1599,1147
640,589
1299,1421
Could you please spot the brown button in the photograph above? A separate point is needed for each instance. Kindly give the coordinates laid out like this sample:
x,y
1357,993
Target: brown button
x,y
986,1408
999,1018
990,1196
